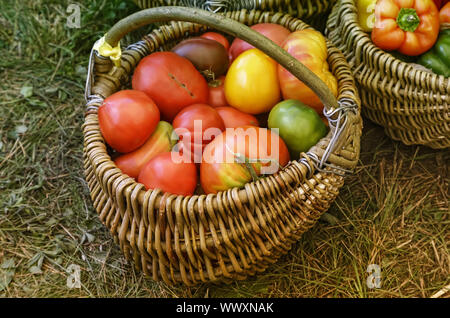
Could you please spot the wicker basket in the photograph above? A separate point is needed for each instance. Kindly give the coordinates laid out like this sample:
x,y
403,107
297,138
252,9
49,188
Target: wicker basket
x,y
412,105
232,234
310,11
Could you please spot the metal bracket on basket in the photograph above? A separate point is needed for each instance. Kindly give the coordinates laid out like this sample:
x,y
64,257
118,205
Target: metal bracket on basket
x,y
90,76
319,164
218,5
91,99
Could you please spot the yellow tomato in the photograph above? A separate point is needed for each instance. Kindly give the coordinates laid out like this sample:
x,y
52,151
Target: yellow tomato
x,y
251,84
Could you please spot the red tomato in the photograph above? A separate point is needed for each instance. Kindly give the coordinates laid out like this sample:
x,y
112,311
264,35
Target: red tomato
x,y
168,175
217,93
127,118
275,32
217,37
222,165
171,81
197,125
233,118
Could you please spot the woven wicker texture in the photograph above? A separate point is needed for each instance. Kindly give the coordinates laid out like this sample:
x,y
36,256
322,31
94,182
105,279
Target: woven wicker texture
x,y
411,104
223,237
303,9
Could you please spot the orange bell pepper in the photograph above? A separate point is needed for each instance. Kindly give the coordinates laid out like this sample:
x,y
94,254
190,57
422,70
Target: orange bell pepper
x,y
408,26
444,14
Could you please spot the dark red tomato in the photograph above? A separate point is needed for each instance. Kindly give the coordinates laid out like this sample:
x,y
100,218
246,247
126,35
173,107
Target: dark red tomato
x,y
171,81
127,119
217,92
208,56
275,32
233,118
217,37
167,173
197,125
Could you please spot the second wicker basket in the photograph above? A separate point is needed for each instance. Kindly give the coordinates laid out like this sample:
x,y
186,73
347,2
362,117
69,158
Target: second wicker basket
x,y
411,104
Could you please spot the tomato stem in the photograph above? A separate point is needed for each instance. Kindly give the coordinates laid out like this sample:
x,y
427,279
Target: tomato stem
x,y
215,83
251,169
245,161
209,75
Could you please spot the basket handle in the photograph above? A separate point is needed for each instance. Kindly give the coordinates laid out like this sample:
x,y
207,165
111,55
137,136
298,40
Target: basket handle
x,y
229,26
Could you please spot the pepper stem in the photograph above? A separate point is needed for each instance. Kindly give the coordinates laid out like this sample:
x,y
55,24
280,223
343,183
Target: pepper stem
x,y
408,20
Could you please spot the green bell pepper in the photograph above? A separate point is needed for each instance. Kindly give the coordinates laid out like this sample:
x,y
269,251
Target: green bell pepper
x,y
438,58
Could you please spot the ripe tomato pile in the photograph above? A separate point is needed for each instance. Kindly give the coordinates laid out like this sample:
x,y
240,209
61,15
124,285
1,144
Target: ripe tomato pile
x,y
208,116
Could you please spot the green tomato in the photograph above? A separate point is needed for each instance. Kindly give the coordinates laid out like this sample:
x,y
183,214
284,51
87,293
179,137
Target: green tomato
x,y
299,126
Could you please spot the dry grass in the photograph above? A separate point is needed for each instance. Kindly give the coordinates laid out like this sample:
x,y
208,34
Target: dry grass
x,y
393,211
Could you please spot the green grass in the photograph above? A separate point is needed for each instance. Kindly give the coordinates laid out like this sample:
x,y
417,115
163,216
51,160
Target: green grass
x,y
393,211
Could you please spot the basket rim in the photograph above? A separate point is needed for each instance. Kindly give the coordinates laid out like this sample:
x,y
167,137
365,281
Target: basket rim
x,y
305,166
322,6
